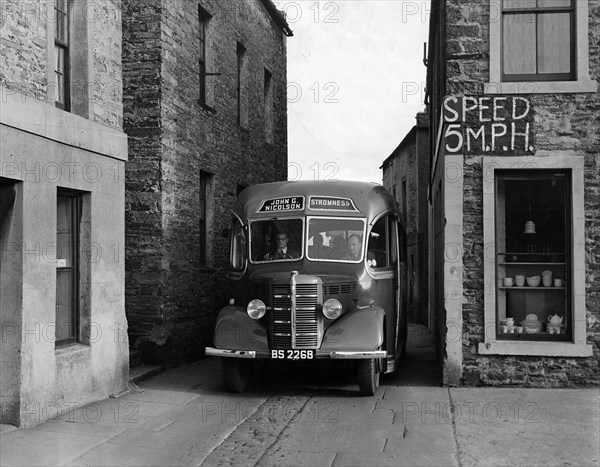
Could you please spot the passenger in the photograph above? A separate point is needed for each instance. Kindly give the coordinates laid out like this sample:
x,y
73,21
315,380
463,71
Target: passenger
x,y
282,251
354,248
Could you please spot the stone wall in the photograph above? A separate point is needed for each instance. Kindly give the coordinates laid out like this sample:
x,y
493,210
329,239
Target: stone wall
x,y
172,297
562,122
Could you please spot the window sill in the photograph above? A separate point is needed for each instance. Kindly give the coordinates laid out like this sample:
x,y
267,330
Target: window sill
x,y
71,349
541,87
545,349
206,107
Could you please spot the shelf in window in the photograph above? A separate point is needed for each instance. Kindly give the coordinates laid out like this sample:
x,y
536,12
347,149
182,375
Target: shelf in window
x,y
518,263
514,287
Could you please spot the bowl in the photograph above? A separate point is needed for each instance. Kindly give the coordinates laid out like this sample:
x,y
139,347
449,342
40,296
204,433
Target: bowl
x,y
531,326
534,281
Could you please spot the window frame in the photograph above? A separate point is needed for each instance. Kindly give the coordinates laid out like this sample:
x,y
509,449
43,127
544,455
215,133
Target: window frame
x,y
301,248
76,204
502,252
204,181
62,43
338,260
241,58
203,21
577,347
536,11
581,82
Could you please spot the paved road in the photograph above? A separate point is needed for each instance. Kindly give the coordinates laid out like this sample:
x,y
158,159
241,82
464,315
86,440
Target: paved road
x,y
314,416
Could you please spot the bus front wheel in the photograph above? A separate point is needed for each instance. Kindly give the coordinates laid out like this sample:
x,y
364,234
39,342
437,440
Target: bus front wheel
x,y
236,374
368,377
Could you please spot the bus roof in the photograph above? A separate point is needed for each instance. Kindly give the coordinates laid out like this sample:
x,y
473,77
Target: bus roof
x,y
341,197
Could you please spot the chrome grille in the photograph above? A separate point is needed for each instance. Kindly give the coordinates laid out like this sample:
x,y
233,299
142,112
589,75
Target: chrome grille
x,y
337,289
281,324
306,322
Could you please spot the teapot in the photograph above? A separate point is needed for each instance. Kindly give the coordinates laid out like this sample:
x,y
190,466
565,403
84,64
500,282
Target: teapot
x,y
555,319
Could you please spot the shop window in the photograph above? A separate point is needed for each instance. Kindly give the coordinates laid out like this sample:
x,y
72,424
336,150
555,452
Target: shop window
x,y
68,220
533,255
539,46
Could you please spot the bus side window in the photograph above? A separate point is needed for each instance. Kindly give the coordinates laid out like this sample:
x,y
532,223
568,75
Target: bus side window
x,y
378,247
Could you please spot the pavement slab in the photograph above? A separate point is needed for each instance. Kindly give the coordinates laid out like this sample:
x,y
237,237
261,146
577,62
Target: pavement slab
x,y
135,456
527,426
37,446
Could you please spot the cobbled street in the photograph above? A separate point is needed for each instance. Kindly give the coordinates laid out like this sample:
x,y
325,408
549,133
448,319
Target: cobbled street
x,y
313,416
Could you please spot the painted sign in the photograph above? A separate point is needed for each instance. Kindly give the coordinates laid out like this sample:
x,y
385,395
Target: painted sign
x,y
490,124
331,203
291,203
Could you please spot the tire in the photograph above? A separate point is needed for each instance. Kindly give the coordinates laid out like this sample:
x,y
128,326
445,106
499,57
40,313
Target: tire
x,y
368,377
236,374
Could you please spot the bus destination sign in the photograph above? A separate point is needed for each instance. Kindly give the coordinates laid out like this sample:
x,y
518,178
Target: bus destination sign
x,y
330,203
291,203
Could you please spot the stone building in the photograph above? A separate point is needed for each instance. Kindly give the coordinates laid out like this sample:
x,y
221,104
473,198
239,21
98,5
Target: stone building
x,y
62,190
515,191
406,176
205,112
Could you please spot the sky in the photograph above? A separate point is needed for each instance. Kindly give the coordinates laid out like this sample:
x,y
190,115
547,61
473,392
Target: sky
x,y
356,80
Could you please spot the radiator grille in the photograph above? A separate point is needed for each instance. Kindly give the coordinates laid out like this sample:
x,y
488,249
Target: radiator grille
x,y
306,319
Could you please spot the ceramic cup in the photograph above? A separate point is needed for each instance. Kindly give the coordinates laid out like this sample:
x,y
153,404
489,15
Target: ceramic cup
x,y
558,282
510,323
519,329
547,281
504,329
520,280
508,281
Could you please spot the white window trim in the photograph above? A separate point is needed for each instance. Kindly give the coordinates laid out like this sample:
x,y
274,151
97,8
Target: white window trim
x,y
547,160
583,84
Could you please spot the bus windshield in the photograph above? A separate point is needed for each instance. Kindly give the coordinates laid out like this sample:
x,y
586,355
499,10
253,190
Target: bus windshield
x,y
276,240
335,239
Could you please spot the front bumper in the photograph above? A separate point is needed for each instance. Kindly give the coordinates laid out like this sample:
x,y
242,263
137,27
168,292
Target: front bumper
x,y
319,354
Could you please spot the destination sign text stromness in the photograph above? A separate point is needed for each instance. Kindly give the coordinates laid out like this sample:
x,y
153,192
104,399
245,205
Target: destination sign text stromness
x,y
292,203
330,203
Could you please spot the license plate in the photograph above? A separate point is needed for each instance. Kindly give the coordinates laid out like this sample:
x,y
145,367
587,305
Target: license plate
x,y
292,354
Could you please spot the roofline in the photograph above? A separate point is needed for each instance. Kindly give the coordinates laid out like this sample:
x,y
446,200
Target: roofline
x,y
409,136
278,16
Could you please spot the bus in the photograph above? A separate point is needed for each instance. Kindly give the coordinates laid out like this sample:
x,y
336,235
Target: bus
x,y
318,271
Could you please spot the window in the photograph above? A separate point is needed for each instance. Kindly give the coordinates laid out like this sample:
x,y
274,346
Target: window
x,y
238,255
203,19
276,240
62,49
533,255
534,206
241,53
204,186
268,100
335,239
539,46
68,219
382,249
538,40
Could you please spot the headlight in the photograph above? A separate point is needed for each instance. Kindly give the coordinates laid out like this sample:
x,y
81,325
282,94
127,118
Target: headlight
x,y
332,309
256,309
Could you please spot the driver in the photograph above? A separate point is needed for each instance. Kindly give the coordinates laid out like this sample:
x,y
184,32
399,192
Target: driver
x,y
281,251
